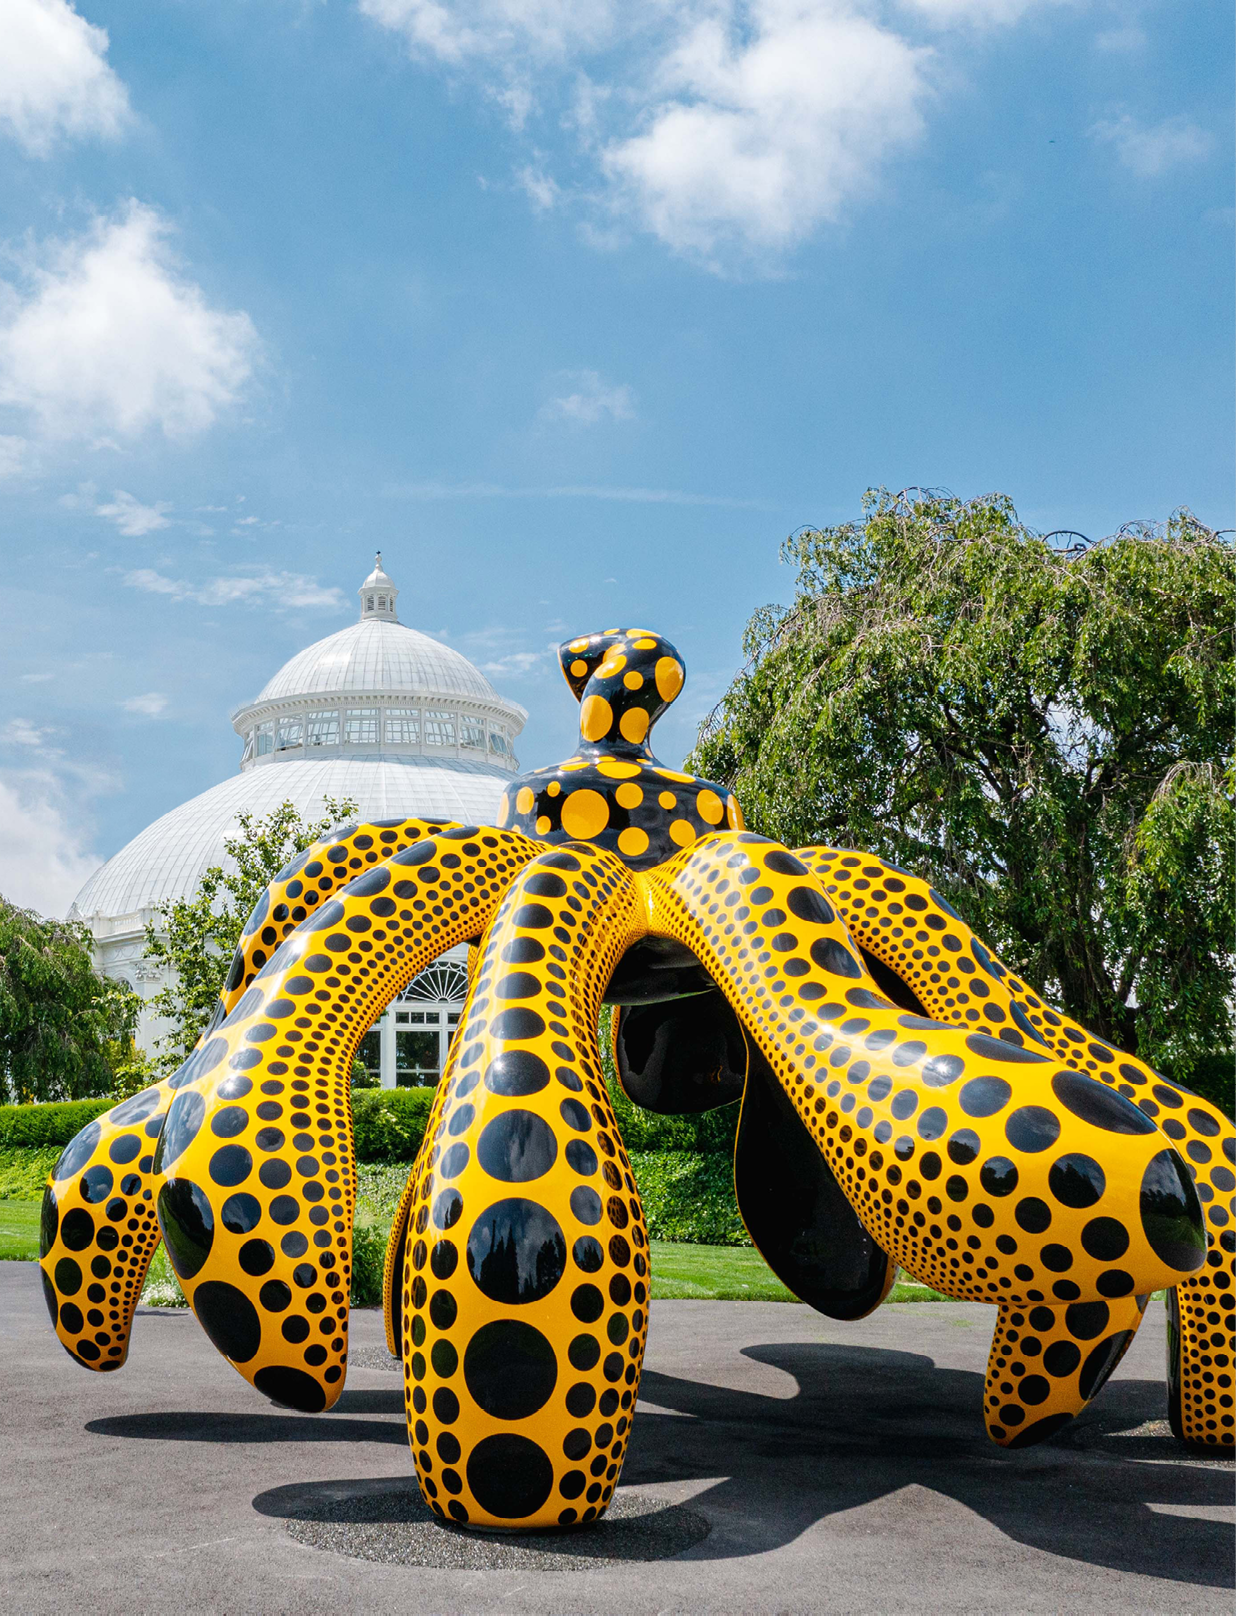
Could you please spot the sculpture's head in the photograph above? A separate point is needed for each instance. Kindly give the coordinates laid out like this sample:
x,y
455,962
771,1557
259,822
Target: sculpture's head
x,y
623,679
613,791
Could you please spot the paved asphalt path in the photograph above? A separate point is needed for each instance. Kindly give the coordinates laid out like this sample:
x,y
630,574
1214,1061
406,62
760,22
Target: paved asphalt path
x,y
840,1468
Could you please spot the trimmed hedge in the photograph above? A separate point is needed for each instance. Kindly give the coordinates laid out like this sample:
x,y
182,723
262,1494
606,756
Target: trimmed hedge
x,y
41,1126
389,1124
689,1196
23,1171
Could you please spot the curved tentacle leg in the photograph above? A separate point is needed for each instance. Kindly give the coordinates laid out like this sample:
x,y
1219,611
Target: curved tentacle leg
x,y
1047,1363
525,1301
256,1208
795,1211
906,924
393,1268
947,1170
99,1232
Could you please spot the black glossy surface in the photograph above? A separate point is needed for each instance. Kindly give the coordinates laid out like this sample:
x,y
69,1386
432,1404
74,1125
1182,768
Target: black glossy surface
x,y
681,1056
794,1209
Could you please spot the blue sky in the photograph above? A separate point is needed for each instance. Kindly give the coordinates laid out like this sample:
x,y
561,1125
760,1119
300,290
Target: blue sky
x,y
575,310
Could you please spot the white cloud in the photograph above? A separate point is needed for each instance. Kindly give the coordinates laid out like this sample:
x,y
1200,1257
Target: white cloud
x,y
132,517
727,128
1121,41
768,130
36,678
54,77
149,706
44,859
13,455
977,13
21,732
259,587
593,400
1149,150
455,31
110,339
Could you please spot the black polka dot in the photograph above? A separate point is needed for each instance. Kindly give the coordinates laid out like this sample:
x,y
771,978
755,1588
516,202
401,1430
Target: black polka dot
x,y
510,1369
1101,1361
184,1119
1085,1320
1032,1215
256,1257
291,1388
1032,1128
229,1318
512,1025
1101,1107
516,1251
516,1072
829,955
447,1209
1076,1180
575,1115
984,1096
998,1176
586,1253
95,1184
1171,1214
1105,1239
1061,1359
229,1122
996,1049
510,1476
517,1147
587,1304
231,1164
68,1277
581,1157
586,1204
188,1224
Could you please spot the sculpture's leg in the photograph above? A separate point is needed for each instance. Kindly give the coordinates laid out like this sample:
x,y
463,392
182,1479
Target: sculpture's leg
x,y
99,1232
525,1301
1061,1192
1047,1363
392,1269
256,1152
910,928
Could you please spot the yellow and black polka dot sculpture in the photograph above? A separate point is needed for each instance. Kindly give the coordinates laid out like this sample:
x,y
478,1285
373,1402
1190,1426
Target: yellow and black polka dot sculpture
x,y
906,1102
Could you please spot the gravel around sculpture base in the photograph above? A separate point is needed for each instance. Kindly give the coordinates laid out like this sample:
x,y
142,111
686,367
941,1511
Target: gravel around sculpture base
x,y
907,1101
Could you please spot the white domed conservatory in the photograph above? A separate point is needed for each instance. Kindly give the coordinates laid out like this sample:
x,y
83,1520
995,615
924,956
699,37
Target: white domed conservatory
x,y
378,713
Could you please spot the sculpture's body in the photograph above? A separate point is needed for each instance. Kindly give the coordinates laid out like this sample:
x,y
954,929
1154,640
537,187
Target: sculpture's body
x,y
905,1102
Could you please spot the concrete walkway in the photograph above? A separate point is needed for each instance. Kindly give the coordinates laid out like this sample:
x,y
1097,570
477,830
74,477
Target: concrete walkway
x,y
835,1467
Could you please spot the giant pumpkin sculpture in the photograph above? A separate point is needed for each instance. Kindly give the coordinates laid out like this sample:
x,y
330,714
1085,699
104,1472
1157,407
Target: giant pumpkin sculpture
x,y
906,1101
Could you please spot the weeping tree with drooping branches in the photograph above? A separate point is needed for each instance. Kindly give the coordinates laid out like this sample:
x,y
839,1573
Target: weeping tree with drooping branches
x,y
1043,731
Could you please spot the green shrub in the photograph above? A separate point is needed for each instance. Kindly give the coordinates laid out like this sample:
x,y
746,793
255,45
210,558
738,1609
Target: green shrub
x,y
368,1260
689,1196
389,1123
45,1125
23,1171
162,1288
378,1188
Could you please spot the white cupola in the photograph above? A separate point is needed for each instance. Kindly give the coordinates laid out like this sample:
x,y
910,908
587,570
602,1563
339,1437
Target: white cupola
x,y
377,595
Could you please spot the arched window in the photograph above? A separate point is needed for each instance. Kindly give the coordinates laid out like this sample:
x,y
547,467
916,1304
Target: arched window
x,y
381,603
368,603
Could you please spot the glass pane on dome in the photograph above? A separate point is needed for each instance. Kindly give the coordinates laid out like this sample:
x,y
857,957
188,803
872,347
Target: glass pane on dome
x,y
291,733
403,726
361,727
265,740
497,743
440,729
323,729
472,733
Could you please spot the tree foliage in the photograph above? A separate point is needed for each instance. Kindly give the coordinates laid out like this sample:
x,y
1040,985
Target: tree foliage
x,y
63,1027
1044,734
196,937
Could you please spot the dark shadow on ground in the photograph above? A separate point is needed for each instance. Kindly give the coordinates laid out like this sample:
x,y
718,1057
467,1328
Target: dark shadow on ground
x,y
868,1421
226,1428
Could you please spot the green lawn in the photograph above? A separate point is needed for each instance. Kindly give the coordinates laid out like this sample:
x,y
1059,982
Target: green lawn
x,y
19,1230
736,1274
707,1273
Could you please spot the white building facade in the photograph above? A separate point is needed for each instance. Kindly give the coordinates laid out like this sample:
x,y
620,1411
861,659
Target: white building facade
x,y
378,713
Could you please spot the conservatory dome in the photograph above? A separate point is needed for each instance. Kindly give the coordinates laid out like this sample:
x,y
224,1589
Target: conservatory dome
x,y
377,712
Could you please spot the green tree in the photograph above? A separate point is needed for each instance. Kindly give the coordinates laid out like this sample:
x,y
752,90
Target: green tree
x,y
63,1028
1044,733
196,937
